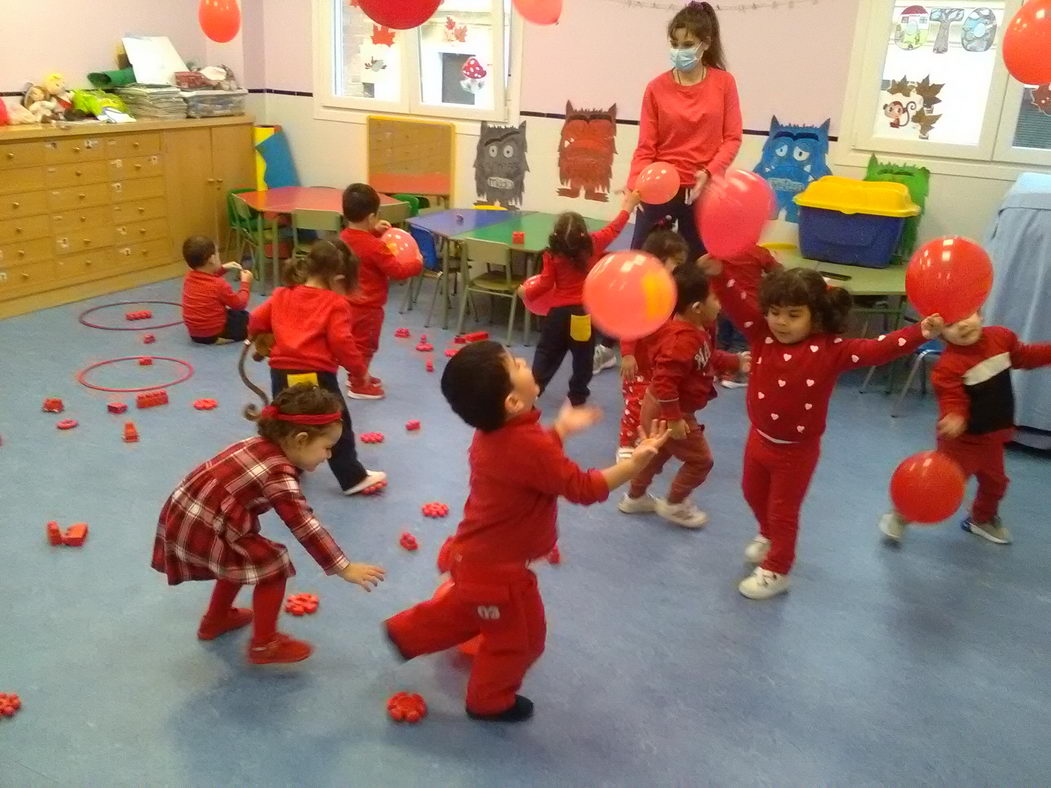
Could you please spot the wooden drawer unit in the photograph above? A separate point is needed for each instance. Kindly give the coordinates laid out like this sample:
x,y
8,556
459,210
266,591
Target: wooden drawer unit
x,y
19,181
25,251
73,150
84,264
84,239
152,208
80,219
24,229
29,204
60,176
21,154
137,189
132,145
136,167
135,232
86,196
142,255
19,280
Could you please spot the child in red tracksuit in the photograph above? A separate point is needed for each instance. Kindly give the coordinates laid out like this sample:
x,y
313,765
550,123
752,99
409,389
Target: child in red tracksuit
x,y
509,521
973,382
209,527
310,321
681,361
797,356
571,253
377,266
211,311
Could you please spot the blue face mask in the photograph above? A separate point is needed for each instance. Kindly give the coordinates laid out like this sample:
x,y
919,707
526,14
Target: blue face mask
x,y
684,59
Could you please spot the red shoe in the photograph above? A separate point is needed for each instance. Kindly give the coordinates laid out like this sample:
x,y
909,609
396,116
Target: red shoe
x,y
281,648
235,618
365,390
375,381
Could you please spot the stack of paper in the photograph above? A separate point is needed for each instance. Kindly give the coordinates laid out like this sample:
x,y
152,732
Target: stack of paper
x,y
153,101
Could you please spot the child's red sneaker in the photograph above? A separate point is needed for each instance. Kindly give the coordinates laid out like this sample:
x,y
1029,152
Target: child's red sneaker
x,y
365,390
281,648
234,618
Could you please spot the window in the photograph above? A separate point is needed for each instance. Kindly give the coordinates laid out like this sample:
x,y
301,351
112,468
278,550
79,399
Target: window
x,y
456,64
930,81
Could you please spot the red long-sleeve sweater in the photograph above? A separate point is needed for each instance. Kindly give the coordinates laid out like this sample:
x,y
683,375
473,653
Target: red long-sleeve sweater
x,y
512,509
567,279
311,328
682,362
689,126
205,298
791,385
377,266
974,381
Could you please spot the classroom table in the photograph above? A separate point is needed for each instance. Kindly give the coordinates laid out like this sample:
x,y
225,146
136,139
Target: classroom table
x,y
858,280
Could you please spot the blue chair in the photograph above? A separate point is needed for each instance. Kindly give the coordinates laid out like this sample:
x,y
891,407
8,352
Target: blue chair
x,y
928,351
432,269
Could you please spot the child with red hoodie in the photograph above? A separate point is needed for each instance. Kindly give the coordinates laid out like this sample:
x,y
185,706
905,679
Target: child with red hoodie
x,y
570,255
377,266
310,321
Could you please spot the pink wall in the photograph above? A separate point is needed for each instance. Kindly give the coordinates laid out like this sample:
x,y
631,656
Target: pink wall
x,y
288,45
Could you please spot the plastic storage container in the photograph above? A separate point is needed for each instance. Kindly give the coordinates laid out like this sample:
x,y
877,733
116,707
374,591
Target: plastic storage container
x,y
842,220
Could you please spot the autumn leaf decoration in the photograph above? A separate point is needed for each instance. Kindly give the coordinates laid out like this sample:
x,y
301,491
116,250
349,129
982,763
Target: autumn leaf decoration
x,y
927,92
382,36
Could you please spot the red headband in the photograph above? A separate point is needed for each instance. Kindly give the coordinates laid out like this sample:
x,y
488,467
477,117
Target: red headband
x,y
271,412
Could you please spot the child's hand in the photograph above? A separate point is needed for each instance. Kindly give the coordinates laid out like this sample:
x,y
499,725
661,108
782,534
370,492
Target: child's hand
x,y
629,368
572,420
746,362
710,265
952,426
247,276
932,326
231,266
631,200
365,575
678,429
382,226
650,444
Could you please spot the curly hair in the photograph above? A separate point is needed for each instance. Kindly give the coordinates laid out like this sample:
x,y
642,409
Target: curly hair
x,y
829,306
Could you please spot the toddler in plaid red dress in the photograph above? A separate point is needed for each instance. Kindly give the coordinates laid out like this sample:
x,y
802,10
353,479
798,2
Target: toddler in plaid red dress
x,y
209,527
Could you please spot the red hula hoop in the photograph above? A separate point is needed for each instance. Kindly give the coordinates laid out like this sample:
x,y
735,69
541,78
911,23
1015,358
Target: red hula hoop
x,y
187,372
136,327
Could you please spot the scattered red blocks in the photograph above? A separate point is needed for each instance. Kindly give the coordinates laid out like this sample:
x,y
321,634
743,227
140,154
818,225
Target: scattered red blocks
x,y
67,424
146,361
425,347
408,541
423,337
54,534
205,404
554,557
518,237
375,489
412,426
434,509
301,604
402,333
459,341
131,435
372,437
430,365
75,535
148,339
53,405
451,351
116,407
142,314
476,336
152,399
407,707
10,703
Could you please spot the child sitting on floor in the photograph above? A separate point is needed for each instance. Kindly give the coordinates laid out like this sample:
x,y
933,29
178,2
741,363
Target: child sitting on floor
x,y
212,312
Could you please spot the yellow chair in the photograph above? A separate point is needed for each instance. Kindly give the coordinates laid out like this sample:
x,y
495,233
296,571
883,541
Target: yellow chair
x,y
496,282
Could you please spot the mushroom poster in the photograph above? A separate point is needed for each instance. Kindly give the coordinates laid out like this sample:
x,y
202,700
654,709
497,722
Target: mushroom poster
x,y
585,152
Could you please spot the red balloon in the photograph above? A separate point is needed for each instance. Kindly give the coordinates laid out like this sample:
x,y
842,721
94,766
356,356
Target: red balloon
x,y
536,297
732,212
949,276
539,12
399,14
1027,43
927,487
402,245
658,183
220,19
629,294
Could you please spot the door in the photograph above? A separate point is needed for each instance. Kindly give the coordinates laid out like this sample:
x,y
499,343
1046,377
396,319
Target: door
x,y
191,185
233,167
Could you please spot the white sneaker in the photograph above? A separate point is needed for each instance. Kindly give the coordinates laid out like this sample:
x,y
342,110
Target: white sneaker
x,y
755,552
994,531
624,453
763,584
604,358
641,505
684,514
893,526
372,478
733,383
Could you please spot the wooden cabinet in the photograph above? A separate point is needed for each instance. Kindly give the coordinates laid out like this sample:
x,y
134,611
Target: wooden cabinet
x,y
92,209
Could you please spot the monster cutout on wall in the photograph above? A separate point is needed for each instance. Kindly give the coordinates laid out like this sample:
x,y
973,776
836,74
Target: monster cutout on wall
x,y
500,165
585,153
917,181
792,157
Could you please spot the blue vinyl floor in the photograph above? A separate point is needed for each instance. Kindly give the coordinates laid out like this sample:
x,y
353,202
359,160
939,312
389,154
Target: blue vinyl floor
x,y
921,665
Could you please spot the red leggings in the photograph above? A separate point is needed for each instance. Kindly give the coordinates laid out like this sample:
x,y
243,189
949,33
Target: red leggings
x,y
266,605
634,390
693,450
984,459
775,480
366,326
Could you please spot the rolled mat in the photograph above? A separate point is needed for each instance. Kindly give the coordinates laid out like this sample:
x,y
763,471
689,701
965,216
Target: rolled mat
x,y
112,79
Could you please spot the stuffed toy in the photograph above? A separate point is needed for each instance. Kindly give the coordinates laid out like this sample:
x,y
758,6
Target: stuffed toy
x,y
55,85
40,105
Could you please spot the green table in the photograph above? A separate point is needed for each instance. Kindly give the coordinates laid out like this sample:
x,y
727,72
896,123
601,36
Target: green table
x,y
860,281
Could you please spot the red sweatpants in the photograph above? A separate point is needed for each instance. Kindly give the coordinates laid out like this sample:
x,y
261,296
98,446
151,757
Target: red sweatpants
x,y
504,606
775,480
634,390
366,324
693,450
984,458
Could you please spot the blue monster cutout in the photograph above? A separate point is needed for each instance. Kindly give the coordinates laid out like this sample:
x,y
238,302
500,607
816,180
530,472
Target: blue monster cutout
x,y
793,156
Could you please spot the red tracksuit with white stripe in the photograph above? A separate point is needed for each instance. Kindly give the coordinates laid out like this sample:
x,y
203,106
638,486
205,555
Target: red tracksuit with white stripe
x,y
974,382
788,396
510,520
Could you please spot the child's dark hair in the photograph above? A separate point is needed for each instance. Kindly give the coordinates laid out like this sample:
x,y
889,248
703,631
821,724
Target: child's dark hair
x,y
476,383
301,399
329,258
570,238
360,200
691,286
699,20
829,306
197,250
664,243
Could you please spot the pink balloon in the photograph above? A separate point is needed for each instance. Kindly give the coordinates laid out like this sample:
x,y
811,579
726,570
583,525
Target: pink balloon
x,y
629,294
536,297
658,183
402,245
220,19
539,12
732,212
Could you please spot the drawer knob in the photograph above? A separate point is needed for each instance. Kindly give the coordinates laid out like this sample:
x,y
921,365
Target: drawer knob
x,y
83,218
77,173
76,149
81,196
134,144
87,264
16,205
25,275
142,230
210,180
18,231
144,252
21,252
10,155
87,241
142,209
138,166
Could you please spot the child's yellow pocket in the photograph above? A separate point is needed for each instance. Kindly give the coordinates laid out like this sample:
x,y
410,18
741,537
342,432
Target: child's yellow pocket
x,y
309,378
580,328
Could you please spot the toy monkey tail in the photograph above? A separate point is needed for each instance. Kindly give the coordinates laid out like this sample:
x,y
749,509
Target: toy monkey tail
x,y
251,411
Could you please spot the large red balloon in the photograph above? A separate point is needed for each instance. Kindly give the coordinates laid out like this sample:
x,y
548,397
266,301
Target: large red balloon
x,y
949,276
658,183
1027,43
399,14
539,12
402,245
629,294
732,212
536,297
220,19
927,487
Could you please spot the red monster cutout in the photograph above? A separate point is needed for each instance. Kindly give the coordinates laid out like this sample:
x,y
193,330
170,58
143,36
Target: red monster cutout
x,y
1041,98
585,154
